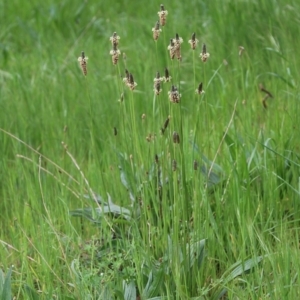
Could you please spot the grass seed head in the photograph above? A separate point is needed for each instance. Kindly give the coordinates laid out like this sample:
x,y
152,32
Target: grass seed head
x,y
157,84
167,77
130,82
162,15
200,90
177,42
166,123
174,95
114,39
115,53
241,50
172,49
176,139
83,62
195,165
174,165
156,31
193,41
127,77
263,89
204,55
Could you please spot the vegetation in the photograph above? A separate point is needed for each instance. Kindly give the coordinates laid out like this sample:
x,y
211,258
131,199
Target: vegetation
x,y
121,180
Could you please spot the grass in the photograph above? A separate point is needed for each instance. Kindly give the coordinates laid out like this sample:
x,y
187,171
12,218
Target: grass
x,y
120,211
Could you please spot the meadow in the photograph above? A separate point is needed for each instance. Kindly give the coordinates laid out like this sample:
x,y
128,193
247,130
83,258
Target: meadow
x,y
141,160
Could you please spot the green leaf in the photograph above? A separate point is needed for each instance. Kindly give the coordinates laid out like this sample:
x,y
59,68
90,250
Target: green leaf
x,y
129,290
197,252
155,280
6,288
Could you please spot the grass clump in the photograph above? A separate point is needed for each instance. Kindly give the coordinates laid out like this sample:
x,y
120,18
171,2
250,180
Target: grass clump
x,y
166,168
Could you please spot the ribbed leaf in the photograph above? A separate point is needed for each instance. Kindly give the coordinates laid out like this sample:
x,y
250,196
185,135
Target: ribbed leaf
x,y
6,288
129,290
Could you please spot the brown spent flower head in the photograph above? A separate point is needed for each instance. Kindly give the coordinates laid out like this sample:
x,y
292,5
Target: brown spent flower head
x,y
193,41
114,39
83,61
176,139
115,53
199,90
157,85
174,95
167,77
162,15
115,131
156,31
204,55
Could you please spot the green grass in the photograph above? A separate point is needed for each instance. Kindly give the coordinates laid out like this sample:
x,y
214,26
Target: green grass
x,y
228,229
